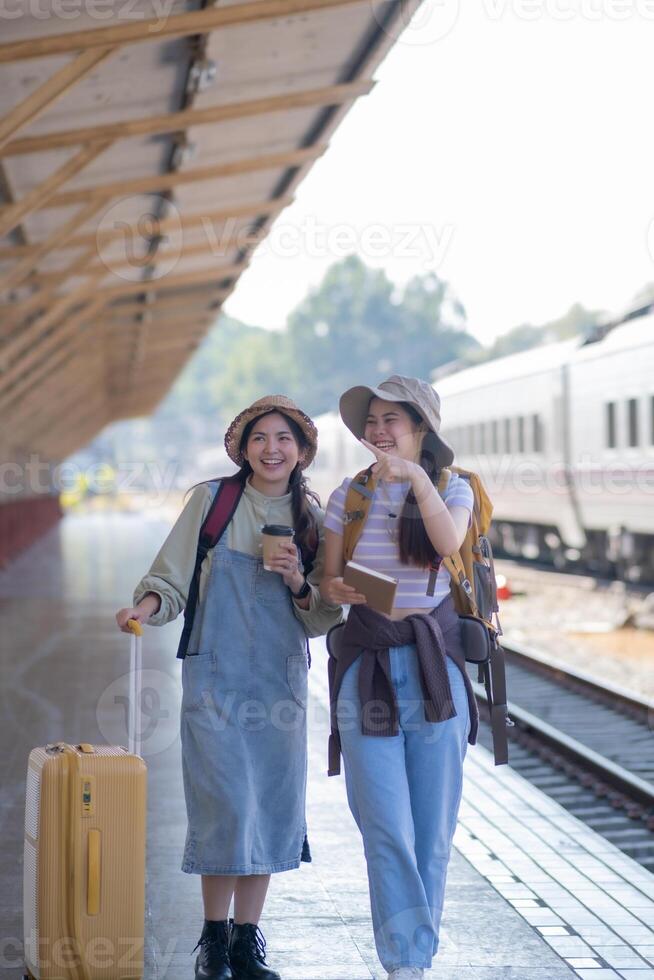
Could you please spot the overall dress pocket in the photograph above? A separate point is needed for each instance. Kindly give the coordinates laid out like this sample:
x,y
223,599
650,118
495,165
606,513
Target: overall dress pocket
x,y
297,676
198,675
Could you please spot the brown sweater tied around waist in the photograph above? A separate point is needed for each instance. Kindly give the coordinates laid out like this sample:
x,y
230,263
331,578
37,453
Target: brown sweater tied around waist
x,y
369,634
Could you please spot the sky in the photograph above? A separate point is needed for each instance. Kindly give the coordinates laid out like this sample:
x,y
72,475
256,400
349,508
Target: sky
x,y
507,145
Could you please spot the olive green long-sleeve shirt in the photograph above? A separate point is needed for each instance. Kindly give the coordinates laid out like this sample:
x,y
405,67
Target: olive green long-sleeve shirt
x,y
170,575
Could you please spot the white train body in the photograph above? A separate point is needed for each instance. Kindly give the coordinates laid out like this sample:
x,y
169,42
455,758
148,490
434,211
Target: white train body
x,y
583,485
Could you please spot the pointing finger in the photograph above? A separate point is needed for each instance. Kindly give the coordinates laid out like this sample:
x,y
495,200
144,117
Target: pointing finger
x,y
373,449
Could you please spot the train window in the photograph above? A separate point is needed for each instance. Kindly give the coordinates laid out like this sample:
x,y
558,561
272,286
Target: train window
x,y
611,439
494,439
536,434
481,439
632,413
471,438
651,419
521,434
507,436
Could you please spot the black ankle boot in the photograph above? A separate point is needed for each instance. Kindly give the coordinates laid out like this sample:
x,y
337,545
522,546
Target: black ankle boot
x,y
247,954
213,959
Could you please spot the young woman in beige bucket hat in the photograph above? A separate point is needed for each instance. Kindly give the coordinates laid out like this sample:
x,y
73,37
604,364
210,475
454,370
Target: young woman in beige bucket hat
x,y
403,708
244,675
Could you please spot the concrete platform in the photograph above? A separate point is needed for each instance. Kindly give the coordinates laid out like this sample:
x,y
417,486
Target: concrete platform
x,y
532,894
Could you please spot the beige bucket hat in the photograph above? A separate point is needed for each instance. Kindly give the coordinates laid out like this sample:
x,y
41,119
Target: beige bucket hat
x,y
270,403
419,394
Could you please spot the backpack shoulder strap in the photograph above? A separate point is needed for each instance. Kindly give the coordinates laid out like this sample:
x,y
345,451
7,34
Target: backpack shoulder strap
x,y
357,504
454,563
220,513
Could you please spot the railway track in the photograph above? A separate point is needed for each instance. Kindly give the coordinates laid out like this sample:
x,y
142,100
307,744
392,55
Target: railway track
x,y
587,745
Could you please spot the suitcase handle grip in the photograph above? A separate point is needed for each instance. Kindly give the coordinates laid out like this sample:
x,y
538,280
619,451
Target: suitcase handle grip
x,y
134,707
134,626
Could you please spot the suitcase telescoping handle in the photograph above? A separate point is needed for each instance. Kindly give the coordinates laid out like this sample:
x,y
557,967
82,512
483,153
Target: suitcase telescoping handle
x,y
134,708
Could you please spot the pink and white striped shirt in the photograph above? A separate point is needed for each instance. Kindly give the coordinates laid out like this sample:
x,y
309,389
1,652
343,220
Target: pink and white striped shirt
x,y
377,549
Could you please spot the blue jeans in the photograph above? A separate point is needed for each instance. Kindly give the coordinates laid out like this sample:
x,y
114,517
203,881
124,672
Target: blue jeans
x,y
404,792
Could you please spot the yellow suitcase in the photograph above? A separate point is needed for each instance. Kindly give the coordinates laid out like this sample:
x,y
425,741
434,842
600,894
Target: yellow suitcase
x,y
84,856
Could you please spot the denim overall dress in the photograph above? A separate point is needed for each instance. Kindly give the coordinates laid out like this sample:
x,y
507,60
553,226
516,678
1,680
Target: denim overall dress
x,y
243,723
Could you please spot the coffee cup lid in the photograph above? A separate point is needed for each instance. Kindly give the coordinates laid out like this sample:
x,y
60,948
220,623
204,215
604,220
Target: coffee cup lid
x,y
278,530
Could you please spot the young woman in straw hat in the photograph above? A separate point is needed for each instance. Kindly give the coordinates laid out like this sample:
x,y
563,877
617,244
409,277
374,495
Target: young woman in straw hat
x,y
244,676
403,708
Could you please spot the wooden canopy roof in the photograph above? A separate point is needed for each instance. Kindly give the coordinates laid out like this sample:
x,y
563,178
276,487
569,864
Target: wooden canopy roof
x,y
145,149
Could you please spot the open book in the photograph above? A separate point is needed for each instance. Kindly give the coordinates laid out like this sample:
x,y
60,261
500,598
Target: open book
x,y
379,589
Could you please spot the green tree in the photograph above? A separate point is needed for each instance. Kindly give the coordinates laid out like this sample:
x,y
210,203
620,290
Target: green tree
x,y
356,327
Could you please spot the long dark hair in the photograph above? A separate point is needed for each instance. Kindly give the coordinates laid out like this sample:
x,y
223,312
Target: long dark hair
x,y
414,543
304,519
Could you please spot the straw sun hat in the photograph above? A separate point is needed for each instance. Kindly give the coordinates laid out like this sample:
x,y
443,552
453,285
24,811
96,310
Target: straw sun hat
x,y
268,403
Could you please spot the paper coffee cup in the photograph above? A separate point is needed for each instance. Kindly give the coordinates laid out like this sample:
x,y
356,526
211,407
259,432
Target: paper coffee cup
x,y
272,535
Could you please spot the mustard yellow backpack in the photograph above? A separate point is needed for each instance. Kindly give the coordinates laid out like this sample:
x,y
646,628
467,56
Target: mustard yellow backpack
x,y
472,585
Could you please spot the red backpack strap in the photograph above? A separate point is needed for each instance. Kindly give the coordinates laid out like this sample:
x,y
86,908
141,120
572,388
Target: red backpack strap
x,y
221,512
223,508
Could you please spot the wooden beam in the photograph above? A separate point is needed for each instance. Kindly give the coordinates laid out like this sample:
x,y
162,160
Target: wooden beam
x,y
159,332
75,428
18,311
174,122
8,197
48,93
157,28
27,386
35,340
198,220
49,391
256,209
214,275
18,379
186,299
164,306
205,248
161,320
192,342
167,181
158,328
55,386
40,195
117,331
27,392
34,253
73,401
32,342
